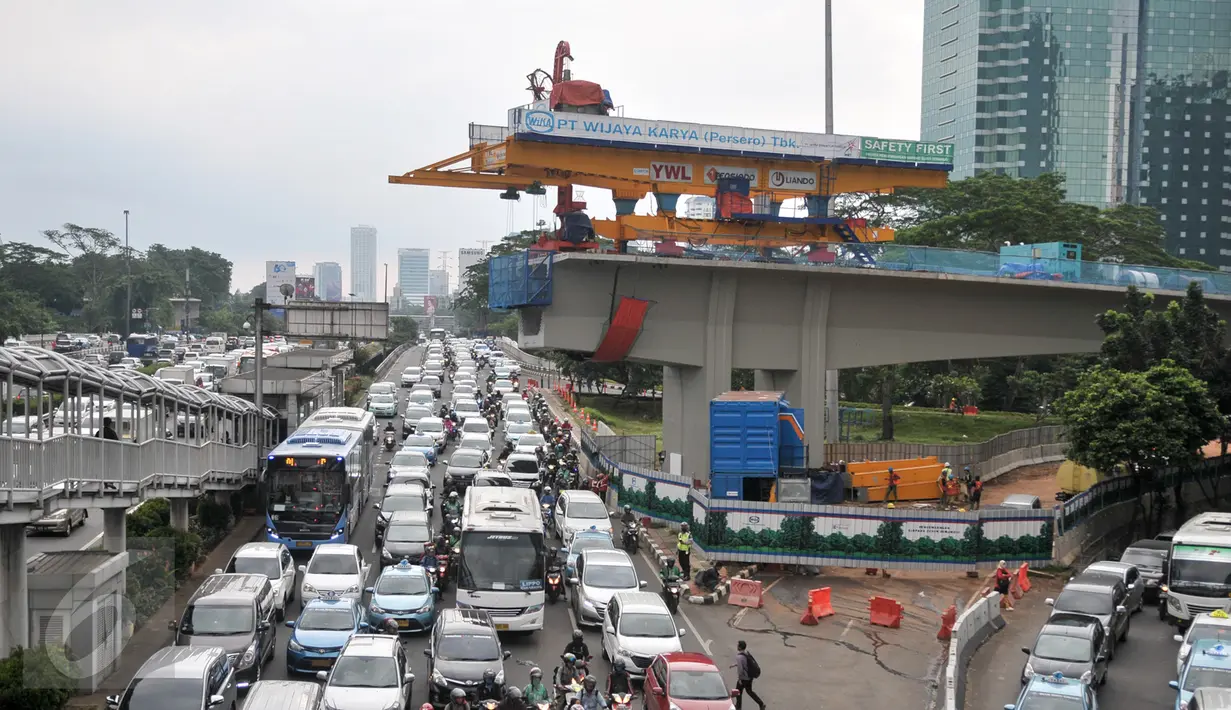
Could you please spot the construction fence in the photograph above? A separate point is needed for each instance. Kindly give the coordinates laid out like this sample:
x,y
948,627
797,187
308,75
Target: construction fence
x,y
987,459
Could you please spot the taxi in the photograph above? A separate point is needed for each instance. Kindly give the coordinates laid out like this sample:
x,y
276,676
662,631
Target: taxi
x,y
1216,625
318,635
1208,666
584,540
404,593
1055,692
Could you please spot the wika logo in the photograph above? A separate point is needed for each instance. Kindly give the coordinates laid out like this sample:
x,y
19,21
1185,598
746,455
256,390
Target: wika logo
x,y
671,172
540,121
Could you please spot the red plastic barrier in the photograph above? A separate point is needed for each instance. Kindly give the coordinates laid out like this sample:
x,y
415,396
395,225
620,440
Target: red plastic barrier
x,y
883,611
745,592
1023,577
947,620
819,604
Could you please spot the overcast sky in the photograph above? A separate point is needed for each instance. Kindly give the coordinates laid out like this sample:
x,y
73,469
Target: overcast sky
x,y
265,129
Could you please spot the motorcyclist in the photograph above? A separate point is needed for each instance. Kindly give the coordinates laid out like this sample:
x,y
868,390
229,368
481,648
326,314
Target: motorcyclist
x,y
457,700
619,681
444,411
429,560
577,646
547,498
389,429
589,697
488,690
669,572
629,516
537,691
568,672
513,700
453,504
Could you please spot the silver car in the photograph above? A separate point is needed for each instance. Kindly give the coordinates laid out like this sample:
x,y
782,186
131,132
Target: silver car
x,y
1098,597
1129,576
601,574
1073,645
371,672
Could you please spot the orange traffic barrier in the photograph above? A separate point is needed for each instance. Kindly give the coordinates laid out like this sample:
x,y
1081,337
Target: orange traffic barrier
x,y
819,604
745,592
883,611
947,620
1023,577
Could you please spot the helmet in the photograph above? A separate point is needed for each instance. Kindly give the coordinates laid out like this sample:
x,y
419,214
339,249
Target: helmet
x,y
536,672
457,694
577,635
452,494
489,676
628,509
513,692
547,491
684,527
569,658
590,682
947,464
618,665
426,706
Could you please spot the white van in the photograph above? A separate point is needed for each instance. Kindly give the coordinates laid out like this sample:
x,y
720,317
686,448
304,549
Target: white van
x,y
638,627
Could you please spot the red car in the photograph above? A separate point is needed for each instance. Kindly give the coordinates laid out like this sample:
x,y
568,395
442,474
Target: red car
x,y
688,681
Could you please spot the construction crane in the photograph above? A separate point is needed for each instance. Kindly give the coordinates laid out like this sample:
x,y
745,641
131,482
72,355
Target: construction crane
x,y
569,136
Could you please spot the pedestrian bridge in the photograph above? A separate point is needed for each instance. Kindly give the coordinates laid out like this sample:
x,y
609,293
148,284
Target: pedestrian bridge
x,y
172,440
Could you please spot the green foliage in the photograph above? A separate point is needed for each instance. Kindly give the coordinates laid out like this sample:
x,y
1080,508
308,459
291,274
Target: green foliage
x,y
649,503
1163,415
31,680
471,306
404,330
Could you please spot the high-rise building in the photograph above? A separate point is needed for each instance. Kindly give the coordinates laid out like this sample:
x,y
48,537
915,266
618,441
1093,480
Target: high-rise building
x,y
699,207
413,268
328,275
363,263
1022,89
438,282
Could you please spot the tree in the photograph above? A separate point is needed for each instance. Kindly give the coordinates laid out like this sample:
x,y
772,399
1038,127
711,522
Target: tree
x,y
404,330
36,679
1141,420
471,304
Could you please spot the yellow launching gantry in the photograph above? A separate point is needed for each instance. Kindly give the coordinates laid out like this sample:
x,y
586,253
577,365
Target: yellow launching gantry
x,y
570,139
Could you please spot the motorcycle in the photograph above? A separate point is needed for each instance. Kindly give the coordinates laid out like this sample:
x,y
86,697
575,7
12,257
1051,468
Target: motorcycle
x,y
630,539
671,592
390,442
621,701
547,517
555,582
442,572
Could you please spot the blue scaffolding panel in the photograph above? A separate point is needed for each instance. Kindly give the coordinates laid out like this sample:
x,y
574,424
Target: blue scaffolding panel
x,y
519,280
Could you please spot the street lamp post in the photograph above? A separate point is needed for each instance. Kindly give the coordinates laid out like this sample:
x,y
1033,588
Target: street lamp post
x,y
128,278
387,282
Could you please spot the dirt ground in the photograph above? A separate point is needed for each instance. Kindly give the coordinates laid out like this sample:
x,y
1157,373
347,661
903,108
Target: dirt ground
x,y
1039,480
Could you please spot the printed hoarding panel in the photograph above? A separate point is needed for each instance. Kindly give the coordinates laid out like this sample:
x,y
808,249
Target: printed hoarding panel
x,y
429,305
277,275
305,288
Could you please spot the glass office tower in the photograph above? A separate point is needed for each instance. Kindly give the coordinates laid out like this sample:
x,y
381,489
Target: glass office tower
x,y
1022,88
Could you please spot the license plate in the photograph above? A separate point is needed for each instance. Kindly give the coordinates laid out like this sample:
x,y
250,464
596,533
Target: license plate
x,y
303,543
322,662
502,627
403,623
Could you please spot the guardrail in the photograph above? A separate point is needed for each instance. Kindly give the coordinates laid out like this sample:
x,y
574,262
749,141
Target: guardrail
x,y
988,458
973,627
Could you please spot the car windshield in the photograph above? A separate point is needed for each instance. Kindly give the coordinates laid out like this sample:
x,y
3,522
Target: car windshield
x,y
408,533
326,619
431,425
466,406
523,466
475,425
504,383
392,504
658,626
518,427
218,620
365,672
1207,678
463,389
267,566
1054,647
467,647
467,459
532,440
1208,632
382,399
333,564
422,396
592,543
698,685
1094,603
420,441
402,584
431,380
610,577
408,458
1150,559
586,510
1052,701
411,371
520,416
164,694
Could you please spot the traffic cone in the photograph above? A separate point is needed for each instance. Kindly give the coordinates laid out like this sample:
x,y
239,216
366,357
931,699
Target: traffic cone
x,y
808,619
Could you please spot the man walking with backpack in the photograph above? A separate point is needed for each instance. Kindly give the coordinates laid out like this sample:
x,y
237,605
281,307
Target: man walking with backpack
x,y
749,670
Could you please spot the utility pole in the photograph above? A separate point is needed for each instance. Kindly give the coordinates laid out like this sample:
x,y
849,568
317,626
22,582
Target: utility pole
x,y
128,279
258,391
832,410
387,282
829,66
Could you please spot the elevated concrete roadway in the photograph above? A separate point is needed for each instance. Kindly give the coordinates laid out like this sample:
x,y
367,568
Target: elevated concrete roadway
x,y
790,323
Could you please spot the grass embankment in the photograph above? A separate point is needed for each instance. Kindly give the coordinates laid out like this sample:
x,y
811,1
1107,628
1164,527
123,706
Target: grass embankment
x,y
914,425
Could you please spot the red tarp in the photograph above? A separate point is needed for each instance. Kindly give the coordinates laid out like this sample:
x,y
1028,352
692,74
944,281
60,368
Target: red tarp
x,y
623,331
576,93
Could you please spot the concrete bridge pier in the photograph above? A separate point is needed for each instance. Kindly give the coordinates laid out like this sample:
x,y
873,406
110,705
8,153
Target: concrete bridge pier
x,y
179,513
115,534
14,591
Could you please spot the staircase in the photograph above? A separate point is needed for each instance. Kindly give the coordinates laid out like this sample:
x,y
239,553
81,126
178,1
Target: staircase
x,y
857,247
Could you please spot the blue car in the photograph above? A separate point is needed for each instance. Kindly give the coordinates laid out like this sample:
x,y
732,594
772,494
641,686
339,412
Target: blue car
x,y
322,629
422,443
584,540
404,593
1208,666
1055,692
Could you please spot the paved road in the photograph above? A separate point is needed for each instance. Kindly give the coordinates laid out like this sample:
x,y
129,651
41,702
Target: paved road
x,y
83,537
1136,680
541,648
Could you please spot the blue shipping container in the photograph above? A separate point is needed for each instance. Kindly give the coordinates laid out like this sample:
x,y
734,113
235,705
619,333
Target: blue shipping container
x,y
744,432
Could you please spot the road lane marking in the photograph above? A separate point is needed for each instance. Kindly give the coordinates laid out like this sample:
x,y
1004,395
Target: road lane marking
x,y
705,644
846,630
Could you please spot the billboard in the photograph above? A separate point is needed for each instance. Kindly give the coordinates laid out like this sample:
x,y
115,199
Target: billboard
x,y
305,288
429,305
337,321
277,275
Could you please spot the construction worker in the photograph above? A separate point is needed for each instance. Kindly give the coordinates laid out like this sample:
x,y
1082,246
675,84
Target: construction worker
x,y
683,548
947,471
891,492
942,489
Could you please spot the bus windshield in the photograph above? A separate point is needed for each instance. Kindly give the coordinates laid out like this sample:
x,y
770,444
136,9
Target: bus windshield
x,y
306,489
1201,570
501,561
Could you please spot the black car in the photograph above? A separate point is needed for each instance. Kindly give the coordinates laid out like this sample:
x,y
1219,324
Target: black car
x,y
464,645
233,612
1150,559
405,535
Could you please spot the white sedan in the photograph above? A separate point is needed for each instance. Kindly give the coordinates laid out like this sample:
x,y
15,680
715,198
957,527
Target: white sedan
x,y
335,571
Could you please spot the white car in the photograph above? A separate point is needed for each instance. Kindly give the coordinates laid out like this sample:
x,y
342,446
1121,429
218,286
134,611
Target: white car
x,y
580,510
409,461
523,469
371,672
415,412
638,625
466,408
433,427
476,425
527,443
1214,625
477,441
411,376
518,416
516,430
335,571
272,560
504,387
421,396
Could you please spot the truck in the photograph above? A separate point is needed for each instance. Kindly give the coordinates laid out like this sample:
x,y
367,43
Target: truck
x,y
753,437
181,374
1199,568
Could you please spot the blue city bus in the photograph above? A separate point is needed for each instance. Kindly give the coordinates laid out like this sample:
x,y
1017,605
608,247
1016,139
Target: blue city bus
x,y
318,483
140,345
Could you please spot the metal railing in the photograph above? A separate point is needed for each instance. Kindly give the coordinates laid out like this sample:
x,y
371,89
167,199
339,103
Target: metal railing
x,y
956,454
73,464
